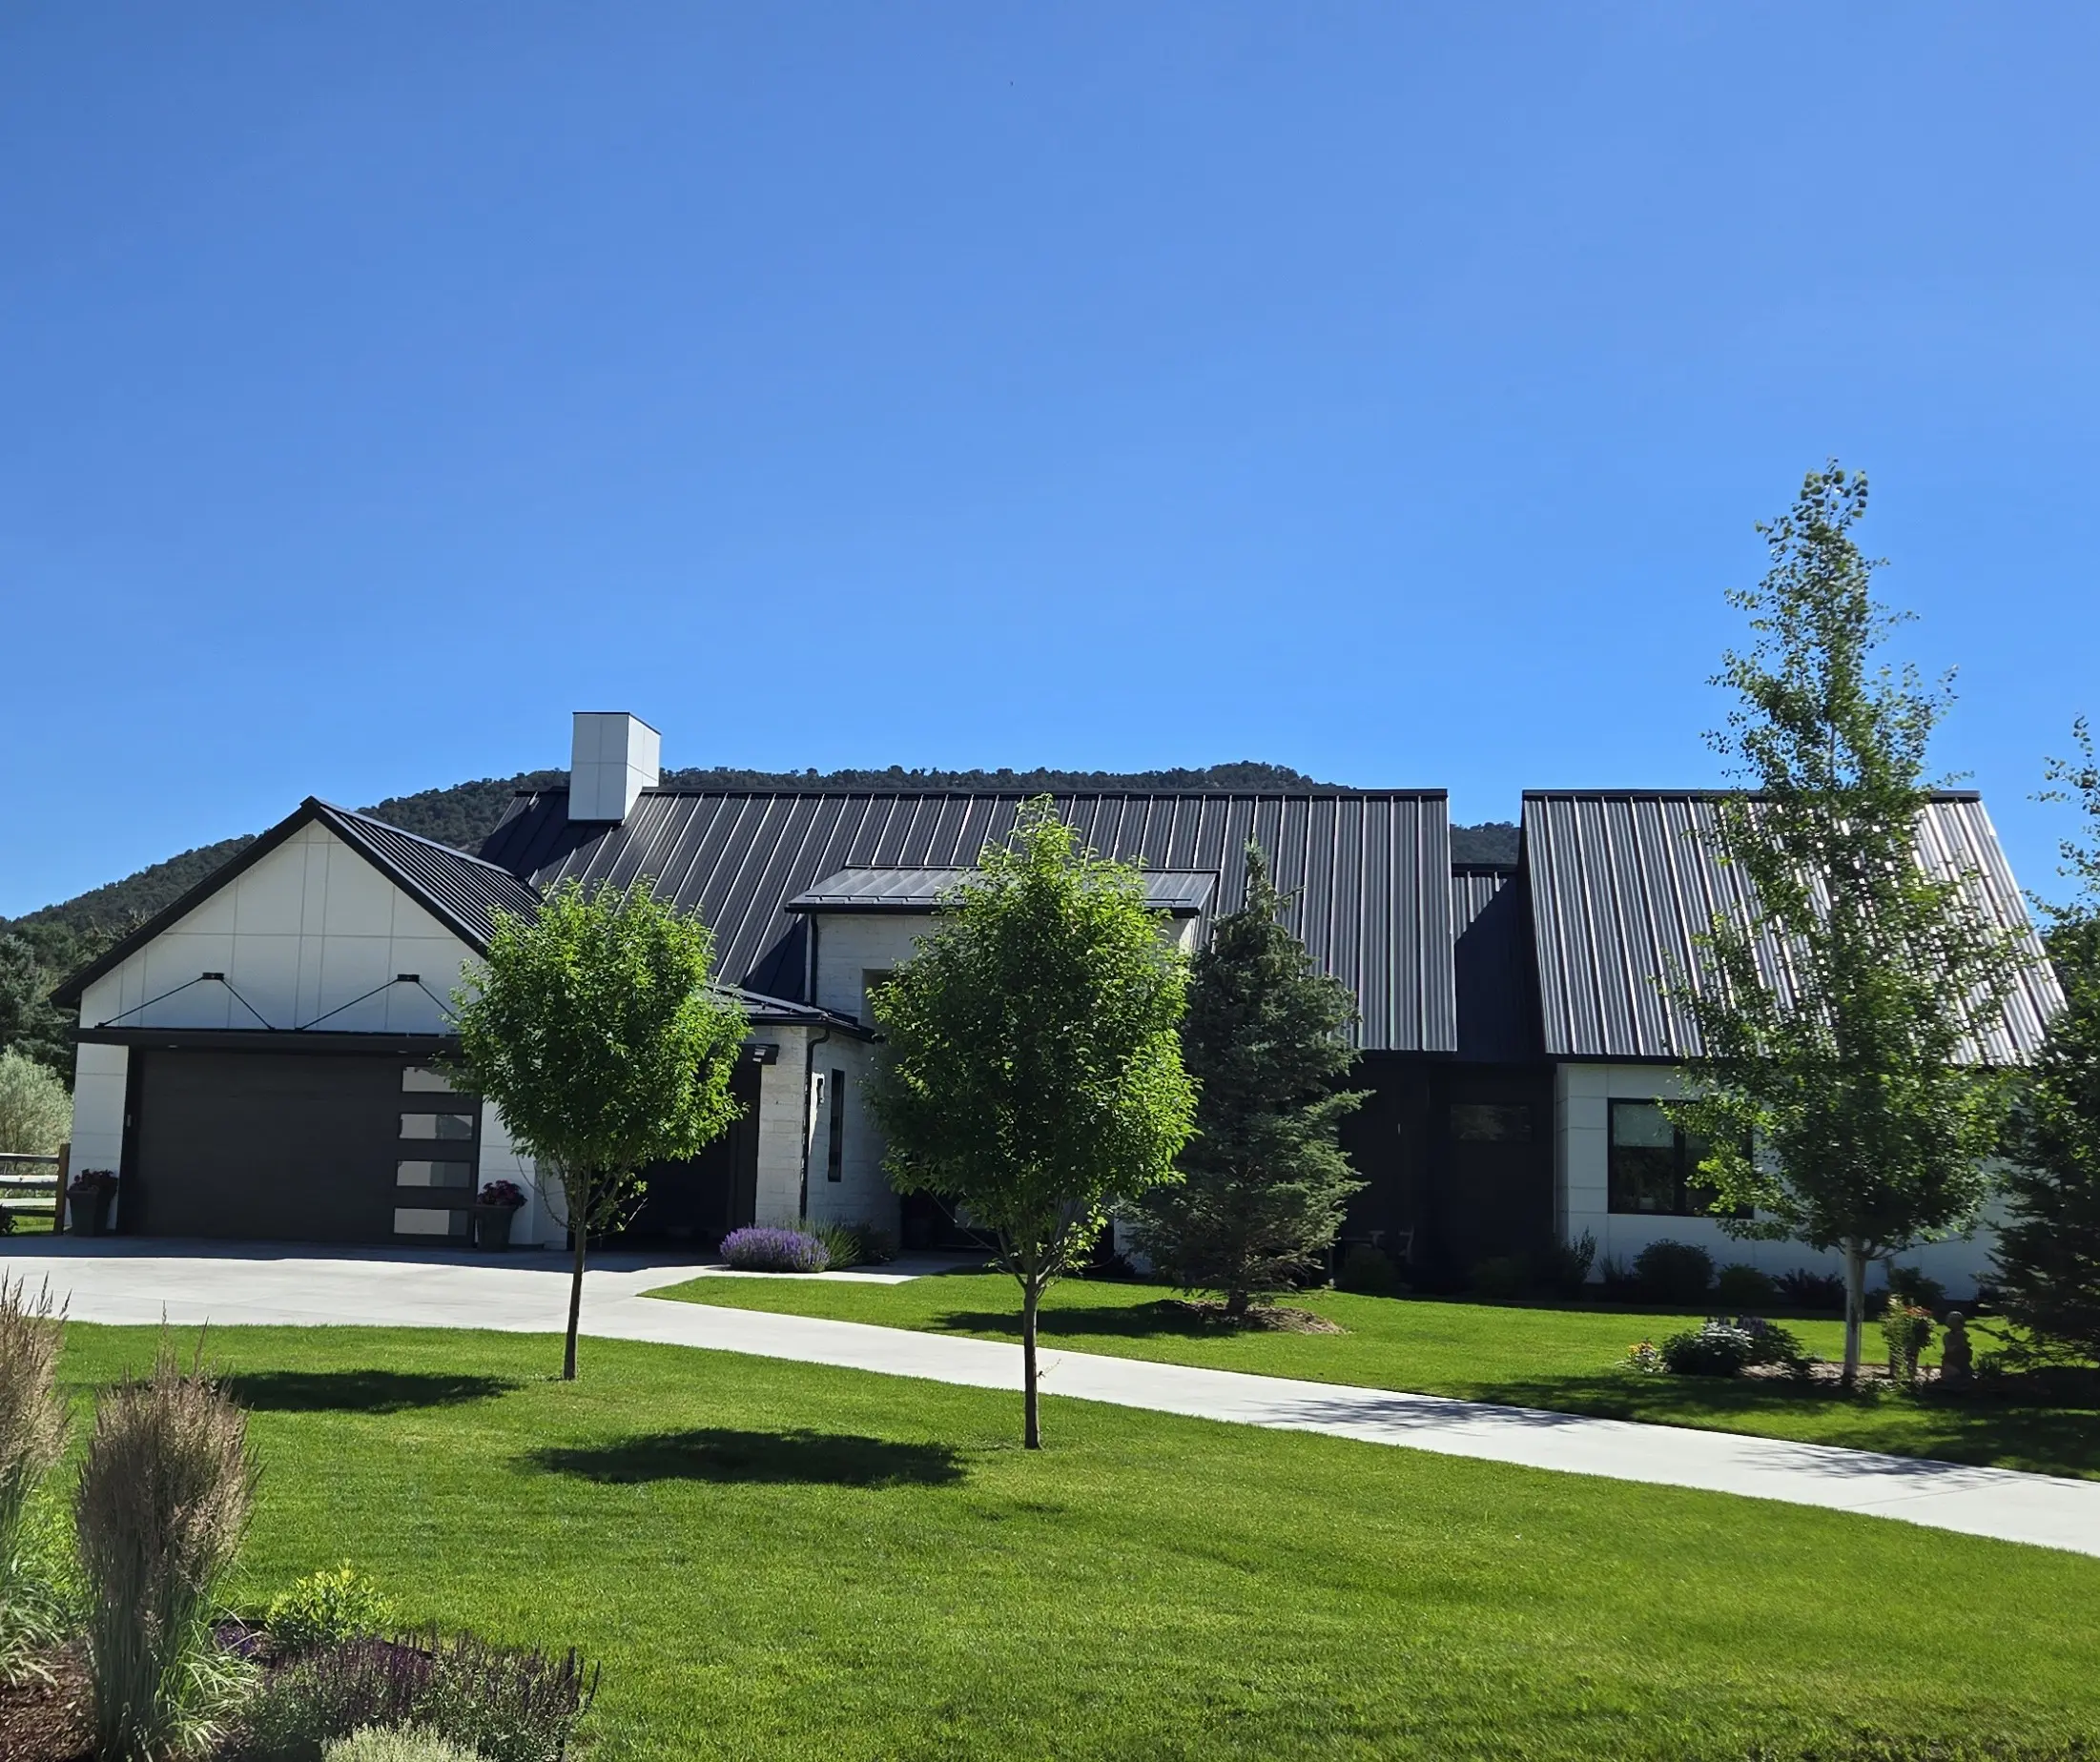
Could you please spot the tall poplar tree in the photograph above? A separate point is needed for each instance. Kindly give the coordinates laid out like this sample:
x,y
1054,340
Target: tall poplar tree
x,y
1841,1084
1264,1181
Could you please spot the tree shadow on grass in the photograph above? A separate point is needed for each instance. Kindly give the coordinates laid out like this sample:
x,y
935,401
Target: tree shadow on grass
x,y
745,1458
1137,1322
359,1392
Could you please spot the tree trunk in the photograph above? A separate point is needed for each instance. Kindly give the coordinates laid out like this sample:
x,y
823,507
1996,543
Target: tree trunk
x,y
1031,1432
575,1296
1235,1306
1855,1309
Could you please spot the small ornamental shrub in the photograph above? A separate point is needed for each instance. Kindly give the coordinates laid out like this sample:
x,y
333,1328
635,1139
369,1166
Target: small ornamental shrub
x,y
1806,1289
1742,1288
1676,1273
1773,1344
1618,1281
506,1705
763,1248
1907,1328
1716,1349
1499,1278
397,1744
1646,1358
854,1244
1367,1271
325,1608
504,1193
1562,1269
7,1222
303,1706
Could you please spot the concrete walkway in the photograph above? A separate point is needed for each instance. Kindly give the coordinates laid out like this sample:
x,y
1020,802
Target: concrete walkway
x,y
140,1283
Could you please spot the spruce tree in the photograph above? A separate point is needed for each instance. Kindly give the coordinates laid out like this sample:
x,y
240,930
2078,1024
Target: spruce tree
x,y
1265,1180
2048,1250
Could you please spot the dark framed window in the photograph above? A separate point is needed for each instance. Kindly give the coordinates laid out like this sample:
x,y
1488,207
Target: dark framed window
x,y
1491,1122
1654,1165
834,1144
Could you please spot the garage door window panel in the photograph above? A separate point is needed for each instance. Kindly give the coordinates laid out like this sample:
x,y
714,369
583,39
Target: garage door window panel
x,y
450,1128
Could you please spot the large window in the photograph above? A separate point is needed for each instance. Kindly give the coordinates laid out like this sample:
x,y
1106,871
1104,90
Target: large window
x,y
1655,1167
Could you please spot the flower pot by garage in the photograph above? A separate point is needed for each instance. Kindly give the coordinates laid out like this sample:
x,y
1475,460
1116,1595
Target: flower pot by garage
x,y
492,1226
88,1213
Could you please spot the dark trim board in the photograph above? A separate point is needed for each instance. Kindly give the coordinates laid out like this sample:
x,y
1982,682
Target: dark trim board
x,y
273,1040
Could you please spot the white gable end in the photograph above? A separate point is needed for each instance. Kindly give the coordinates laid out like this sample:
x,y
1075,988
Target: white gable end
x,y
307,930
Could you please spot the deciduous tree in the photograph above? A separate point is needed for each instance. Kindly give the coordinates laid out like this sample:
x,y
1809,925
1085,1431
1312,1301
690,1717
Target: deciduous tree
x,y
1034,1073
1264,1181
593,1027
1840,1086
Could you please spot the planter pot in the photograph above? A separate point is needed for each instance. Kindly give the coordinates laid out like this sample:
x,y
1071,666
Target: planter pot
x,y
88,1214
492,1226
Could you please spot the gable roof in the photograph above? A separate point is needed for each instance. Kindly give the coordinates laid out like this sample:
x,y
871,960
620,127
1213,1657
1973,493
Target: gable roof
x,y
1622,882
1371,871
462,893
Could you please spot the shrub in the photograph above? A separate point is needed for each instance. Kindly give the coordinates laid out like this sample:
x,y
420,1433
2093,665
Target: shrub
x,y
1907,1328
855,1244
1645,1358
1676,1273
396,1744
765,1249
1367,1271
324,1608
35,1106
1743,1287
1906,1284
1619,1283
1563,1268
33,1437
7,1222
165,1494
1715,1349
1499,1278
494,1702
1804,1289
1773,1344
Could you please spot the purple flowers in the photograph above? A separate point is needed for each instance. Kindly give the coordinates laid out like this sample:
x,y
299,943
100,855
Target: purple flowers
x,y
762,1248
504,1193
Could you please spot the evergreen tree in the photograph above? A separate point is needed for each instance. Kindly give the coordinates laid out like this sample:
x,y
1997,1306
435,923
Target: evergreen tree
x,y
2048,1250
1265,1178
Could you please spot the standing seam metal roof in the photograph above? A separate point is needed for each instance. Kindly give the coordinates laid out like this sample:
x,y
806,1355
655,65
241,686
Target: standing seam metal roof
x,y
1624,882
1372,870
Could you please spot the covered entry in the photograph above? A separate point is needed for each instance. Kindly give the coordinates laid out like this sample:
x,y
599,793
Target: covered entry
x,y
271,1145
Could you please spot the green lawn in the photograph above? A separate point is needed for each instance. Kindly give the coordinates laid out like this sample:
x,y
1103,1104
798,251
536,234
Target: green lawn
x,y
776,1559
1567,1360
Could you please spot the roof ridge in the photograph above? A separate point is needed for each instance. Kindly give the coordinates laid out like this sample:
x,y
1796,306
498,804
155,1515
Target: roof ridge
x,y
402,832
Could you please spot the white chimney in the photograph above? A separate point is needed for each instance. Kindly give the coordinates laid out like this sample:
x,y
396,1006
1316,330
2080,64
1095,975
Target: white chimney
x,y
612,759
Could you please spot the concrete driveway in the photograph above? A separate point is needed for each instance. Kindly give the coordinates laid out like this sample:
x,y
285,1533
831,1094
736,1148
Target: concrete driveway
x,y
123,1281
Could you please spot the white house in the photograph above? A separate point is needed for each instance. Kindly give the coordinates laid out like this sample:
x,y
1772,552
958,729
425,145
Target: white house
x,y
257,1061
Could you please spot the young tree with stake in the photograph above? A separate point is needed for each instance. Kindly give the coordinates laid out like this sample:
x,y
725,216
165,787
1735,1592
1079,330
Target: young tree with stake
x,y
1034,1073
1839,1084
593,1027
1264,1181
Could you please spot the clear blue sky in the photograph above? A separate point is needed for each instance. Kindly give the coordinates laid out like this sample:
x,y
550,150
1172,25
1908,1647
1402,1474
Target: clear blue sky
x,y
1386,391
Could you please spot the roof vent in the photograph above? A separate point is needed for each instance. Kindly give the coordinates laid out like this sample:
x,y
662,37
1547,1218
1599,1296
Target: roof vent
x,y
613,759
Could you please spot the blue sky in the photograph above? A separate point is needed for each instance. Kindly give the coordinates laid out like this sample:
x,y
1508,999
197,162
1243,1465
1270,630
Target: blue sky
x,y
1389,392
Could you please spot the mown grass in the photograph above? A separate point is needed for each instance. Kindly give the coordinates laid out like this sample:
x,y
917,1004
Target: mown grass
x,y
776,1559
1570,1360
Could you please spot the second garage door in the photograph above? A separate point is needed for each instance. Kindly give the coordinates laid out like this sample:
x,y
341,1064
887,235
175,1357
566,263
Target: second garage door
x,y
295,1147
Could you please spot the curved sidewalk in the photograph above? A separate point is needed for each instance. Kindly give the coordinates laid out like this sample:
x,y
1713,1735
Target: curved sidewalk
x,y
109,1282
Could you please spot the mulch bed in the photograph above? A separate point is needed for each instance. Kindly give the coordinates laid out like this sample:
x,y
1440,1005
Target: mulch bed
x,y
1261,1319
47,1721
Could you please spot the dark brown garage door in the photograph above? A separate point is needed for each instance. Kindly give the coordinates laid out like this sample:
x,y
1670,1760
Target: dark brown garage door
x,y
295,1147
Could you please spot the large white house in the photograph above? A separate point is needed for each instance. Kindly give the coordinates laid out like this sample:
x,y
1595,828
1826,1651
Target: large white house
x,y
258,1060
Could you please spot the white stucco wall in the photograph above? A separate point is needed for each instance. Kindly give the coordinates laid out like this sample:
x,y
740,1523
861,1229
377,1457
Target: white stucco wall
x,y
539,1224
1582,1094
308,928
99,1076
851,944
862,1193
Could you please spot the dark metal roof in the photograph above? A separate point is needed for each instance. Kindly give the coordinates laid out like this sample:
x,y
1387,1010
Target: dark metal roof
x,y
464,892
1183,892
1497,993
1623,882
1372,870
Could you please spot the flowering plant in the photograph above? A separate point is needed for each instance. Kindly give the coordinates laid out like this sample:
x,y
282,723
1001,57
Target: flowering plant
x,y
765,1249
504,1193
92,1181
1644,1356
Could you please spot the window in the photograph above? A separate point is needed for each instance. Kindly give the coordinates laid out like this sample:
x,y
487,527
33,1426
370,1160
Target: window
x,y
459,1127
409,1220
835,1148
412,1171
1491,1122
1655,1167
425,1079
